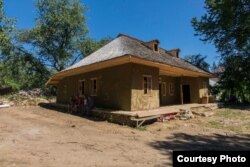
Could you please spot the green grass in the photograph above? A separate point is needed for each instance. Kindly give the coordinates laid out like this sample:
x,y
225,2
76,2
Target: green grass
x,y
220,125
215,124
142,128
228,114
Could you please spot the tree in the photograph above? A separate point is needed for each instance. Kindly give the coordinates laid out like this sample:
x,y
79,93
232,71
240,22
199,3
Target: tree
x,y
227,25
18,68
198,61
234,82
57,41
90,45
59,32
6,28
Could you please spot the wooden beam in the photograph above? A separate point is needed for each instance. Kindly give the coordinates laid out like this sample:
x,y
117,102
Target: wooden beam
x,y
168,73
166,67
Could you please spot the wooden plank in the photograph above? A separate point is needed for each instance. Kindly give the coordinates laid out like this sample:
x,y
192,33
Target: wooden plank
x,y
140,121
141,114
145,118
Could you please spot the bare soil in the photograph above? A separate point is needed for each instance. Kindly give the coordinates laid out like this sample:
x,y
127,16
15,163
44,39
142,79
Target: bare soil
x,y
35,136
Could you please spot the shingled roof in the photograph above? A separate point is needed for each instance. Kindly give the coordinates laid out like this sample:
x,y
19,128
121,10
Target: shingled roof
x,y
125,45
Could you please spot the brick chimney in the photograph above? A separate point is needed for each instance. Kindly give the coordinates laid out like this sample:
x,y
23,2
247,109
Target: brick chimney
x,y
154,45
174,52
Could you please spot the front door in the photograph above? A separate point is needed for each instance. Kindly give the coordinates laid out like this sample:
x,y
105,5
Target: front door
x,y
186,93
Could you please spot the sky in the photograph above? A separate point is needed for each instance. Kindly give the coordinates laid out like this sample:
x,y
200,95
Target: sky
x,y
165,20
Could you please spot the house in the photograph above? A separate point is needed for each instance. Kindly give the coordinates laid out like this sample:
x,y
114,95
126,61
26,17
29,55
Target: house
x,y
130,74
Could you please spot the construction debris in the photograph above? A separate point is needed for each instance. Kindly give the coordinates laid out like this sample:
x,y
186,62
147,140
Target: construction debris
x,y
204,114
185,114
33,92
4,106
27,98
203,111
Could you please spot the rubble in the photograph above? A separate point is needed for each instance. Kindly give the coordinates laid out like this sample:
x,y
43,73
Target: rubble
x,y
203,111
4,106
27,98
185,114
204,114
33,92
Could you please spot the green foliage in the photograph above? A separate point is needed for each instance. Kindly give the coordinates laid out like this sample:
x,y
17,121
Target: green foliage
x,y
57,41
198,60
59,31
6,28
90,45
18,68
25,74
227,25
234,82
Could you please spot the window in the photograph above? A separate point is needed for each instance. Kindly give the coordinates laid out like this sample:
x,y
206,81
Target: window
x,y
164,91
93,87
82,87
171,89
156,47
147,84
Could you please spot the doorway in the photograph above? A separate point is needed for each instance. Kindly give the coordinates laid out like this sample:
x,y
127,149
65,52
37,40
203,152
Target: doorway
x,y
186,93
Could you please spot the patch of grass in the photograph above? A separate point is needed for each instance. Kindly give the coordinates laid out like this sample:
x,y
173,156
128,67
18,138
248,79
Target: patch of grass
x,y
227,113
142,128
234,128
220,125
248,126
215,124
47,97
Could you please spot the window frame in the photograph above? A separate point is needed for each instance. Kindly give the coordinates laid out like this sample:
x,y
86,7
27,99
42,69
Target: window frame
x,y
80,87
171,89
156,47
164,88
149,86
92,92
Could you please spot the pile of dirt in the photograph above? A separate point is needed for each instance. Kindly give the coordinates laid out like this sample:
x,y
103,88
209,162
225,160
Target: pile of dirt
x,y
33,92
27,98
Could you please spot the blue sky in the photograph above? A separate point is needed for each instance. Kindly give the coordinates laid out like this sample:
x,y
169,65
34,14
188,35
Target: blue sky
x,y
168,21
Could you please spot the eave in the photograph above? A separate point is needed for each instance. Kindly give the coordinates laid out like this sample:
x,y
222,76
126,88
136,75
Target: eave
x,y
165,69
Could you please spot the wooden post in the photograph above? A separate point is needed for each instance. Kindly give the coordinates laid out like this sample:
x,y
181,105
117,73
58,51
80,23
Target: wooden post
x,y
181,92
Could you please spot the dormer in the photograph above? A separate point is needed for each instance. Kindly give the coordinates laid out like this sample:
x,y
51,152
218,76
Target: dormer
x,y
174,52
154,45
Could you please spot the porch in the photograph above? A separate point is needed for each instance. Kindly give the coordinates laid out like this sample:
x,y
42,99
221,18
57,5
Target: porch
x,y
139,117
158,111
179,90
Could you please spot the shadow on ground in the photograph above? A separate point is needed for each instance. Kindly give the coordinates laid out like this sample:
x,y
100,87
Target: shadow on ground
x,y
65,110
244,106
187,142
182,141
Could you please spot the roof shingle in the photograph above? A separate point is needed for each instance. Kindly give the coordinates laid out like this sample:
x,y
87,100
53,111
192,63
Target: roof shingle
x,y
125,45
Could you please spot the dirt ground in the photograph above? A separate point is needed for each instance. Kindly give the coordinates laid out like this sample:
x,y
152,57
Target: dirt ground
x,y
35,136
